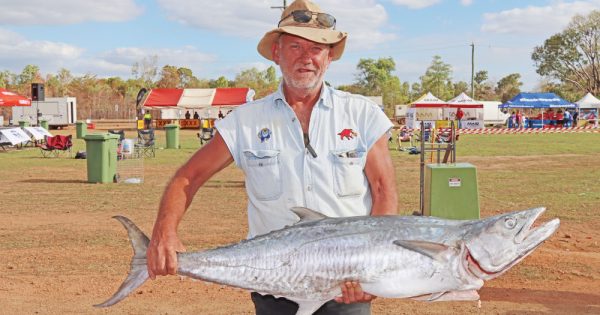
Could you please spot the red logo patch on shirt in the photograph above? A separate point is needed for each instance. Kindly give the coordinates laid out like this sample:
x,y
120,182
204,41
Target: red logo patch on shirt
x,y
347,134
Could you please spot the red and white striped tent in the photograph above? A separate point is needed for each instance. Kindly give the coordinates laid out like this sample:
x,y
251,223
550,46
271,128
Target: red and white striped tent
x,y
428,107
471,108
8,98
197,98
173,103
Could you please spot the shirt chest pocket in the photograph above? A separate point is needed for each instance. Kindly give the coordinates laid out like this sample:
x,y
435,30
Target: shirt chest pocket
x,y
348,173
263,174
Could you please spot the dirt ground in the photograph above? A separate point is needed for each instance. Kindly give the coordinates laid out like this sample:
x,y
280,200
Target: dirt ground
x,y
61,251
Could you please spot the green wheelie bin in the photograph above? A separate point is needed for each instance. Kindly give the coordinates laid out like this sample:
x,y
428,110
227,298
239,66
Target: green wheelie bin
x,y
101,155
81,129
172,131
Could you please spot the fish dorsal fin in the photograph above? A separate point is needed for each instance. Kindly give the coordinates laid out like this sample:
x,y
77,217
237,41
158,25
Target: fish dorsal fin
x,y
307,215
434,251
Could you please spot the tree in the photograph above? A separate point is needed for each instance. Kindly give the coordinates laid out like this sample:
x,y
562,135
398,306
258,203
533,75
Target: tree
x,y
169,77
375,78
460,87
438,79
262,82
221,82
145,70
573,56
484,89
509,86
6,78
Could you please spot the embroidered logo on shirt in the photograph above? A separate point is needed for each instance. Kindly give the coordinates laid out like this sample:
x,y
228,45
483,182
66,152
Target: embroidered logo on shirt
x,y
264,134
347,134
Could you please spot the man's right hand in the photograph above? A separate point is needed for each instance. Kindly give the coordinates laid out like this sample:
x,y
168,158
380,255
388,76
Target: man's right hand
x,y
162,253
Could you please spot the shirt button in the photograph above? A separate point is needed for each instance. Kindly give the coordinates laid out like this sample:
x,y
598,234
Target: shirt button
x,y
309,188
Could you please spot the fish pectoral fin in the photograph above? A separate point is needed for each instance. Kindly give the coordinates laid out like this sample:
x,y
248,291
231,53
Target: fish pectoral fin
x,y
307,215
434,251
308,307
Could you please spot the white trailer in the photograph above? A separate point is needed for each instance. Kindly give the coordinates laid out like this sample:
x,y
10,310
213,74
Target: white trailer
x,y
57,111
492,115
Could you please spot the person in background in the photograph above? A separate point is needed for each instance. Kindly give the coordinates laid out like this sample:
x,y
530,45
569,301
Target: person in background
x,y
196,116
567,118
575,118
187,115
147,120
512,120
560,118
518,119
459,116
304,135
221,116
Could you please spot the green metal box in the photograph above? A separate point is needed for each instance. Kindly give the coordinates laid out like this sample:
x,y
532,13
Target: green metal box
x,y
451,191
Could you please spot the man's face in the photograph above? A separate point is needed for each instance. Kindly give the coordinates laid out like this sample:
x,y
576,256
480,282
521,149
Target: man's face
x,y
303,62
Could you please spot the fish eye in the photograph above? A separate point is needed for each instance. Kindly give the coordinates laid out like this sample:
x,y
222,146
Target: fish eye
x,y
510,223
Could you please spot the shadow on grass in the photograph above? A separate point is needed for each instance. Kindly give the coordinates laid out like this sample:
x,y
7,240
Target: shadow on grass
x,y
55,181
556,301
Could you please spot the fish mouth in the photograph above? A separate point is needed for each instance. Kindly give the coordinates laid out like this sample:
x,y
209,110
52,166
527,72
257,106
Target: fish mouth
x,y
526,240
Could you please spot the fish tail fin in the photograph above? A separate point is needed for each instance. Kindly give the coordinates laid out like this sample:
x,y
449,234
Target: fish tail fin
x,y
138,272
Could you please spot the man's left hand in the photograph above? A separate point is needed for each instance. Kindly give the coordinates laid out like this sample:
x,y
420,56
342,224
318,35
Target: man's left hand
x,y
352,293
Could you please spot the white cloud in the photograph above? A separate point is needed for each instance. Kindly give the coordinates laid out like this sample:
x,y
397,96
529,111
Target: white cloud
x,y
416,4
15,49
362,19
536,20
466,3
232,17
60,12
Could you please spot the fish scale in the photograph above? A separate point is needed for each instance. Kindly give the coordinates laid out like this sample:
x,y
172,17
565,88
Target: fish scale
x,y
422,258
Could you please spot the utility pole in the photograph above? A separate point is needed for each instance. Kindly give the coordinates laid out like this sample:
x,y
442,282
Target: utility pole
x,y
283,7
472,70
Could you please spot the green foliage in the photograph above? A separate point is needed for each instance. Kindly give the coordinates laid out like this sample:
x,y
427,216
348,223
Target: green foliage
x,y
572,56
509,86
262,82
438,79
375,78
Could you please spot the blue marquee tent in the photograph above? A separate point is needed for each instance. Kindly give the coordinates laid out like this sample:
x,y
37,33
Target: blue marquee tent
x,y
537,100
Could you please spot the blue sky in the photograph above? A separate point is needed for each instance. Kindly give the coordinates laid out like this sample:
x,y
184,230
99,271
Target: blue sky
x,y
214,38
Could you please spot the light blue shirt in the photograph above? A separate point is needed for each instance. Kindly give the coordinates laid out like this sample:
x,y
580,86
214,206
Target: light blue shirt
x,y
266,141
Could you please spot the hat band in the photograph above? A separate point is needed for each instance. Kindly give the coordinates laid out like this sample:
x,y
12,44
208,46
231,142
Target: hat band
x,y
305,17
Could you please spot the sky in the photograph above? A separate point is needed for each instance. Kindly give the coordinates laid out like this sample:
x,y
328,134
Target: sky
x,y
219,38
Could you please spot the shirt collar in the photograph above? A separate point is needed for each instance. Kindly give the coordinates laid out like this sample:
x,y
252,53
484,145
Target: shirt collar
x,y
324,98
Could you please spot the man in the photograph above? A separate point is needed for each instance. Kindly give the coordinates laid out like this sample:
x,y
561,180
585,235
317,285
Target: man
x,y
188,115
305,145
147,120
459,116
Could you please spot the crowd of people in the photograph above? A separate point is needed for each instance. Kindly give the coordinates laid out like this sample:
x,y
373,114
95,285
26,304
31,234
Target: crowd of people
x,y
550,117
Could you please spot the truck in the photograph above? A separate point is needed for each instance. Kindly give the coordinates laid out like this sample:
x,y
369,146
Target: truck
x,y
59,112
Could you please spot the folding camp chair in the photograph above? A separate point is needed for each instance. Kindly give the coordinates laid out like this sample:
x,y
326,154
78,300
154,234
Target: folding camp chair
x,y
145,142
119,132
206,134
56,145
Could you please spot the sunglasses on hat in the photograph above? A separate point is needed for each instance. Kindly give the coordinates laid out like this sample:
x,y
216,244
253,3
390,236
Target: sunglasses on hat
x,y
305,16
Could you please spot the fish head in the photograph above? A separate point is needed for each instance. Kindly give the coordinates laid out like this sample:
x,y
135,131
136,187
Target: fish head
x,y
497,243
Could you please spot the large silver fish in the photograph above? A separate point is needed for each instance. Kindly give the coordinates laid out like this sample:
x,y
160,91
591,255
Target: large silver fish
x,y
393,256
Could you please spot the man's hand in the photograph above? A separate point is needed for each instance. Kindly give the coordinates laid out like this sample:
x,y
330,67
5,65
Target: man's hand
x,y
162,254
352,293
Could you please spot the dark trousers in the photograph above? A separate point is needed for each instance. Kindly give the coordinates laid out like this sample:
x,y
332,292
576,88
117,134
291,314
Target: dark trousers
x,y
268,305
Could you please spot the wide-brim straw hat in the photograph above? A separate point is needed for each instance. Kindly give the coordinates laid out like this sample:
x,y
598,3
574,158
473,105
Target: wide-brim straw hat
x,y
311,31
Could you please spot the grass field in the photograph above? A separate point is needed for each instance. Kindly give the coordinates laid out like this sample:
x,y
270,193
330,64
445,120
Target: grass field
x,y
61,252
